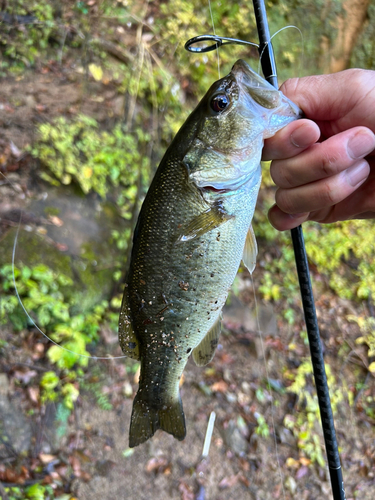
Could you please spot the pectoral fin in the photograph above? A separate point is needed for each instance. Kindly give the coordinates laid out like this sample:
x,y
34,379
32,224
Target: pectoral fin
x,y
250,252
205,351
203,223
128,341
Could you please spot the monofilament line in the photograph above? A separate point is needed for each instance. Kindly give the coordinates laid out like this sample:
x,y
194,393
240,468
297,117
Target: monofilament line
x,y
24,308
269,385
273,36
213,28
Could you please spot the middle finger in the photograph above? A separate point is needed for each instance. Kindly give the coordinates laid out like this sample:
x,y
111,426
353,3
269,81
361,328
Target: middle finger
x,y
324,159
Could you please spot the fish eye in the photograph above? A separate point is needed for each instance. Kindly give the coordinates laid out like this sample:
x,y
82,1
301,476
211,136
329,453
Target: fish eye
x,y
219,103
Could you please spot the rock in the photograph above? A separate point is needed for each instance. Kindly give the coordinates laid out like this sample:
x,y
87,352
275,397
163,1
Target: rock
x,y
15,428
234,439
286,437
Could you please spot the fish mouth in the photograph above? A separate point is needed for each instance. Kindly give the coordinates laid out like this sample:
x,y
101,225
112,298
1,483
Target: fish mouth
x,y
213,189
262,91
243,72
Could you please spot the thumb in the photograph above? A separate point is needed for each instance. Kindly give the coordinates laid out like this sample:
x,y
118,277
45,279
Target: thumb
x,y
335,102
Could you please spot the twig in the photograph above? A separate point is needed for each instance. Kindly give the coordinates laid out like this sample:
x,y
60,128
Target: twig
x,y
33,367
3,493
122,55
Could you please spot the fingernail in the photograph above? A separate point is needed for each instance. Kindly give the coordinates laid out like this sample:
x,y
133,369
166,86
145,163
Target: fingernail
x,y
358,173
303,136
361,144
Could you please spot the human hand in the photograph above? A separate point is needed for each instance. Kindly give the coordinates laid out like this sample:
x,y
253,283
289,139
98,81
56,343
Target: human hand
x,y
333,179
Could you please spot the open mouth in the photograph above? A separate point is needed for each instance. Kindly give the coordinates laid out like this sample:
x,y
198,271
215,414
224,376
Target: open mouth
x,y
214,190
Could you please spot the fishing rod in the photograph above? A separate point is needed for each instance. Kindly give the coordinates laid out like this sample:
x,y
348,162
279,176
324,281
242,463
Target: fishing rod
x,y
269,70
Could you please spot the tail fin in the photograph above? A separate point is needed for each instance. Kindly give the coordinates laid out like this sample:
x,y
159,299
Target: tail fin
x,y
146,420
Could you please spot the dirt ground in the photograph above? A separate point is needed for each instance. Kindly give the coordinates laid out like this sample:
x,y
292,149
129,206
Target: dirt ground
x,y
92,460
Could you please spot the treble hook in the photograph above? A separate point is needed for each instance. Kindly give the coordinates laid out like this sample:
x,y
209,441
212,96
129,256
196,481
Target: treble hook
x,y
218,42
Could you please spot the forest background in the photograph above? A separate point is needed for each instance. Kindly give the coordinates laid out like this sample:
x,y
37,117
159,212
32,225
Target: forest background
x,y
92,92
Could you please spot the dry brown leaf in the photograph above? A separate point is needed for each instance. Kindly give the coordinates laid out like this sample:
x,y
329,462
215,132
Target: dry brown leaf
x,y
157,464
186,491
229,481
219,386
46,458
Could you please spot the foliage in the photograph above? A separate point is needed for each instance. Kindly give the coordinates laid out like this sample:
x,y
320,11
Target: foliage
x,y
78,151
343,252
161,83
304,422
33,492
96,388
46,295
24,43
262,428
364,53
367,327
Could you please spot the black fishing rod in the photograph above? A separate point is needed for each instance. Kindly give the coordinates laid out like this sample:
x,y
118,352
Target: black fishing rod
x,y
326,415
206,43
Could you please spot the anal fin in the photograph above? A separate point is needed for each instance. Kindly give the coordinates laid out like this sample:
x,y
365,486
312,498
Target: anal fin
x,y
205,351
127,338
250,252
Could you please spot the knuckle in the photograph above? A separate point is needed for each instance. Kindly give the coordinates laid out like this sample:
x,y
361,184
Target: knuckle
x,y
328,194
285,201
328,164
290,86
281,175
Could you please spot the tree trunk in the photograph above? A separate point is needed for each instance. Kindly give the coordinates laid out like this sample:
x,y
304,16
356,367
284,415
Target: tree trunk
x,y
337,52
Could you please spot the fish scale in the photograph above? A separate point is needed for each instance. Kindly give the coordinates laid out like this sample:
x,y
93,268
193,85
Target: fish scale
x,y
190,238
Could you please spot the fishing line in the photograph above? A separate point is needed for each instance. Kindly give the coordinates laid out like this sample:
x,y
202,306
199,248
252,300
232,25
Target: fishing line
x,y
273,36
23,306
213,28
259,331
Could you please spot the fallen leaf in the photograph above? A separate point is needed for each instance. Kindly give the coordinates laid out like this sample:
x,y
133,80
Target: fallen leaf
x,y
56,221
25,377
41,108
15,151
229,481
186,491
46,458
305,461
157,464
302,471
219,386
96,72
33,393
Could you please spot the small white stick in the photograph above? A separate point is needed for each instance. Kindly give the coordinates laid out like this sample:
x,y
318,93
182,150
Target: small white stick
x,y
207,439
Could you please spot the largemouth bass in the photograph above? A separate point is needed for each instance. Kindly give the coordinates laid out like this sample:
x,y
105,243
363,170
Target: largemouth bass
x,y
193,229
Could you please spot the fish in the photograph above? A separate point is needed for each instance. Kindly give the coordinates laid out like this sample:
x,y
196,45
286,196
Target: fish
x,y
193,229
